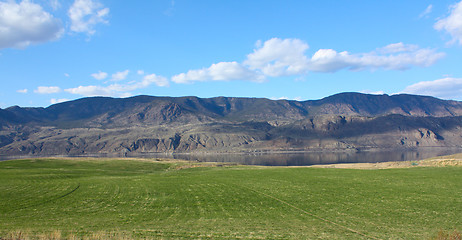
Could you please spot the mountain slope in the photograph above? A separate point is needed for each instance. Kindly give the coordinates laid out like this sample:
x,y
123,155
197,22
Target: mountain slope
x,y
187,124
377,105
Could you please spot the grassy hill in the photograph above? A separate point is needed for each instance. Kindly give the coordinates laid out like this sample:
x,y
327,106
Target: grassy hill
x,y
98,199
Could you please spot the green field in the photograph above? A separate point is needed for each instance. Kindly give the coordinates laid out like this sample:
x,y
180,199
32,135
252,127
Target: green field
x,y
77,199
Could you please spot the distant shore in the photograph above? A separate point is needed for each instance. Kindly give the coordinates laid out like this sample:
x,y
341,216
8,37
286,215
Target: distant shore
x,y
442,161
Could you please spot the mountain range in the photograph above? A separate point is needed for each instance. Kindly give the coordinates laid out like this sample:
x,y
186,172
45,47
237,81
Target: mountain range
x,y
147,124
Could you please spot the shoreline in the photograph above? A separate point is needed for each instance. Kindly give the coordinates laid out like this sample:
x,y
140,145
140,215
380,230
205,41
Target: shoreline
x,y
442,161
231,152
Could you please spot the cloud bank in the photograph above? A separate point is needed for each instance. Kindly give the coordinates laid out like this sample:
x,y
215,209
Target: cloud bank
x,y
287,57
396,56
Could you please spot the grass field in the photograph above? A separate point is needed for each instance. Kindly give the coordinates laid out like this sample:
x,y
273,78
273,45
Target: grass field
x,y
97,199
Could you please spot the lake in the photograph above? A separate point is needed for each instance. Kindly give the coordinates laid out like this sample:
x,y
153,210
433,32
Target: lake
x,y
289,158
316,158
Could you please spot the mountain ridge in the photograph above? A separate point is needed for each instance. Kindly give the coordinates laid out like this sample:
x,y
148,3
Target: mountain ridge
x,y
232,107
189,124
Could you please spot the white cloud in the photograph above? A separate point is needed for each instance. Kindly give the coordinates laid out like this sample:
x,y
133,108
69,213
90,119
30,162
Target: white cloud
x,y
282,57
447,88
47,90
285,57
92,91
279,57
25,23
85,14
119,76
222,71
153,78
99,75
22,90
328,60
398,57
398,47
140,72
452,23
67,75
60,100
119,90
426,12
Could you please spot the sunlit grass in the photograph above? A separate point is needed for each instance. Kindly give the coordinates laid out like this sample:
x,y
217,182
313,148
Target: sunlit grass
x,y
118,199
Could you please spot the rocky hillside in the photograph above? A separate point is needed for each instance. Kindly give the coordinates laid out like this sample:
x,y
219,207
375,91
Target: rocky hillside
x,y
224,124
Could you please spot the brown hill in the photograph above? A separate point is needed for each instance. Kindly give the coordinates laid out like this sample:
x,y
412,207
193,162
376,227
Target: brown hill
x,y
223,124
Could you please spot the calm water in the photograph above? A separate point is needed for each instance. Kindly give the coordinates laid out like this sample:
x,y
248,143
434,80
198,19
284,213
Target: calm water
x,y
295,159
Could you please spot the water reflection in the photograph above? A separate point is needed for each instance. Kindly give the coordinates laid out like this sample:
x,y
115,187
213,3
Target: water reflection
x,y
316,158
287,158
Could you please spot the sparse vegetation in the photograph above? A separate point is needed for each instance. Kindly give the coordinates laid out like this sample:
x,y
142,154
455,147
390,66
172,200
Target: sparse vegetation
x,y
443,235
126,199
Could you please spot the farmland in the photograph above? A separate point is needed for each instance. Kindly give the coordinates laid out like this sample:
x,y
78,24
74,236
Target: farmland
x,y
89,198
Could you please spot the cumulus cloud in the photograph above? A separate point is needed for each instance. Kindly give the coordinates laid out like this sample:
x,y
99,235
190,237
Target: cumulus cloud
x,y
153,78
26,23
452,24
99,75
22,90
279,57
85,14
397,57
114,90
92,91
119,76
447,88
286,57
328,60
222,71
119,90
47,90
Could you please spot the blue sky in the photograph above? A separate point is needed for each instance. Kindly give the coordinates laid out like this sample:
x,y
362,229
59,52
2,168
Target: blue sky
x,y
56,50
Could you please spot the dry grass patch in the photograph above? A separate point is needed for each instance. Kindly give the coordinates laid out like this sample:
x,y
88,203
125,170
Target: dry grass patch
x,y
450,160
